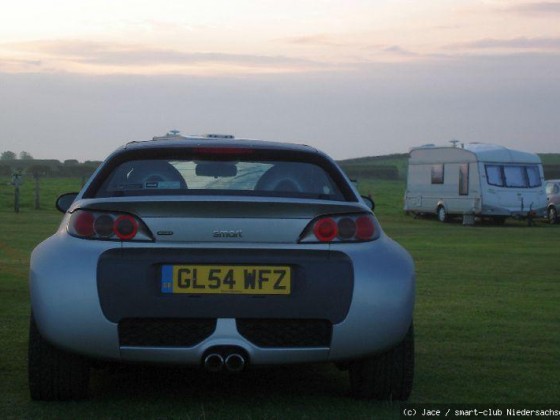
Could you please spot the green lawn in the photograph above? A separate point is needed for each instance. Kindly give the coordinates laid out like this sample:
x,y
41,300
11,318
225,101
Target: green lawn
x,y
486,327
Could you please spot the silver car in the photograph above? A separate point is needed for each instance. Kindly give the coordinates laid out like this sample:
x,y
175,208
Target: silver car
x,y
223,254
553,197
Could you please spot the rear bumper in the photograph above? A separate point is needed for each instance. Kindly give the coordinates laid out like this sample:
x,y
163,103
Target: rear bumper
x,y
361,295
129,284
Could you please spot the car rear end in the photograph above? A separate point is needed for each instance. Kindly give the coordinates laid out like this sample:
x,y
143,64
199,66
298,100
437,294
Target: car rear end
x,y
256,254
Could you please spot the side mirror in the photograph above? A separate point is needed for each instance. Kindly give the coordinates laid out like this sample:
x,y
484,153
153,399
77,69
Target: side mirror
x,y
369,202
64,201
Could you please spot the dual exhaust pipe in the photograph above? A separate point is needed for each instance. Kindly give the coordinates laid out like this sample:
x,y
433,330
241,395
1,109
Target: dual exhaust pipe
x,y
232,362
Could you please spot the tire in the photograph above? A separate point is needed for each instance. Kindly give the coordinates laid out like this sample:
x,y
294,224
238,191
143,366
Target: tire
x,y
442,214
552,214
387,376
54,374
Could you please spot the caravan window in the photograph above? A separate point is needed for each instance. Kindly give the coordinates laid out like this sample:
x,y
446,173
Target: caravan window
x,y
464,179
494,175
534,176
513,176
437,174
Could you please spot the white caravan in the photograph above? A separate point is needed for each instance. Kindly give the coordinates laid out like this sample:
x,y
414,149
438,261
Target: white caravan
x,y
475,180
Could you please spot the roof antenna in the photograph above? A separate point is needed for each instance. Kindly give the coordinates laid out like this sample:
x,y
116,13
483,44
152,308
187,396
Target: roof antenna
x,y
454,141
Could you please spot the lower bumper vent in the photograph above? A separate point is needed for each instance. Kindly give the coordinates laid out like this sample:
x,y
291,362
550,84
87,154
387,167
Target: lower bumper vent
x,y
164,332
286,332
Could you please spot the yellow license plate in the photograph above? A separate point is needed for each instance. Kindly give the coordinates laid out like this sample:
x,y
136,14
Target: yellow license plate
x,y
226,279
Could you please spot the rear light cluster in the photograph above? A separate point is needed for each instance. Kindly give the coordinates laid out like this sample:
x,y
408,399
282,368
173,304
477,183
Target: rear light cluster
x,y
107,225
341,228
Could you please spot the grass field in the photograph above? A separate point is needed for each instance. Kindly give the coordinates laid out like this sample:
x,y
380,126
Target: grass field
x,y
486,327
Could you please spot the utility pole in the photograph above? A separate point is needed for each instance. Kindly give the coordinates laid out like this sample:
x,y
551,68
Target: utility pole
x,y
17,180
37,192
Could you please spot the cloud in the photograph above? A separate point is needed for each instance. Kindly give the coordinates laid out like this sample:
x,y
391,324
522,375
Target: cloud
x,y
90,55
314,40
35,63
520,43
359,51
333,41
397,50
546,7
148,56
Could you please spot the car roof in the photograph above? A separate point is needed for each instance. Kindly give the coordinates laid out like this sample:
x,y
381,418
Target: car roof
x,y
211,142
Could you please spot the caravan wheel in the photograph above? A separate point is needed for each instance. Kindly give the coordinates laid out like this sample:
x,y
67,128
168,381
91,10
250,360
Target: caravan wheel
x,y
442,214
552,215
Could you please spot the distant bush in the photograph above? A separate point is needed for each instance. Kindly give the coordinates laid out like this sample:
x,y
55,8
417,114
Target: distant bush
x,y
551,171
364,171
362,167
368,159
5,170
75,171
71,168
38,170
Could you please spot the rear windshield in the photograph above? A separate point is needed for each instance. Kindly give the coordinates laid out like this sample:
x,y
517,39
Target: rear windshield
x,y
513,176
217,177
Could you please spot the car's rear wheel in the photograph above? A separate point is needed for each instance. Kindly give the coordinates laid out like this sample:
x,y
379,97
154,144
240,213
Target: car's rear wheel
x,y
387,376
552,215
54,374
442,214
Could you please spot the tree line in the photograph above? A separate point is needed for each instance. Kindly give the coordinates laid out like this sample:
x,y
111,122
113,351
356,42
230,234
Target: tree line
x,y
11,165
9,155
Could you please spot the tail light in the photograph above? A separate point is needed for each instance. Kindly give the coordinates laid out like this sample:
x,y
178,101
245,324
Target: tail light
x,y
343,228
114,226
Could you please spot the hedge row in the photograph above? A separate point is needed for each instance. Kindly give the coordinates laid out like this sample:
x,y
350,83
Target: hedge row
x,y
387,172
52,169
551,171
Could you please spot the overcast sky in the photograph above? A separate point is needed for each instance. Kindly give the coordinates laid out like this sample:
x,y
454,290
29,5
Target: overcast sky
x,y
353,78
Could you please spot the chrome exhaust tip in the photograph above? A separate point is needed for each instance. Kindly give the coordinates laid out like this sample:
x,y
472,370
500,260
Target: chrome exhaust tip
x,y
213,362
235,362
